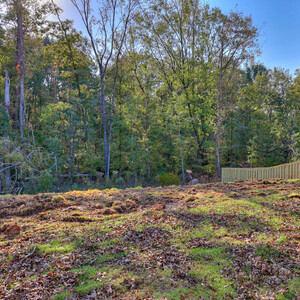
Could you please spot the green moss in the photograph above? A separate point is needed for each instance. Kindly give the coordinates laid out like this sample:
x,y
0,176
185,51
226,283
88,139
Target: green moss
x,y
31,278
56,246
87,275
9,258
266,251
264,237
283,239
109,242
88,271
58,199
208,267
88,287
184,293
272,192
294,289
109,256
61,296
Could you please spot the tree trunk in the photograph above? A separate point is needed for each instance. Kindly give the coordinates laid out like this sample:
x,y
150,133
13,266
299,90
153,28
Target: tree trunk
x,y
21,68
133,158
6,97
147,138
106,165
71,149
219,114
7,110
120,159
231,143
181,156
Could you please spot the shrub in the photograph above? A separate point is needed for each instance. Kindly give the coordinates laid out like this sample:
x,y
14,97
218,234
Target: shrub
x,y
43,183
167,179
58,199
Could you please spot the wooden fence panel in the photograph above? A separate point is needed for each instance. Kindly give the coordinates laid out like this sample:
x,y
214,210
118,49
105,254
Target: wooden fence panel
x,y
285,171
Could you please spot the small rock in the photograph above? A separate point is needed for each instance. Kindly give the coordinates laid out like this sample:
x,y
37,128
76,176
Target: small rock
x,y
14,229
285,272
194,181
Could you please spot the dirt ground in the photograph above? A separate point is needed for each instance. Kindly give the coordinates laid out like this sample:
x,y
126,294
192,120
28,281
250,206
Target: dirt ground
x,y
210,241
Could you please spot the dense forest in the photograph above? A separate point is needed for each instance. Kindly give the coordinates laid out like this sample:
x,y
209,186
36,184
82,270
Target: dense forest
x,y
144,88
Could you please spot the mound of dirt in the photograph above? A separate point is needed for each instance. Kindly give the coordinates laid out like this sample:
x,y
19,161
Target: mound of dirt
x,y
29,205
11,229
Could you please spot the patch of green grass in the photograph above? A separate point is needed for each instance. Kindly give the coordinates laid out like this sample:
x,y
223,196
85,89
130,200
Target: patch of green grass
x,y
294,290
275,197
277,222
162,280
86,271
266,251
211,254
232,241
109,256
179,293
212,285
61,296
263,237
272,192
291,294
282,239
87,275
87,287
31,278
208,267
56,246
9,258
221,232
295,181
206,231
109,242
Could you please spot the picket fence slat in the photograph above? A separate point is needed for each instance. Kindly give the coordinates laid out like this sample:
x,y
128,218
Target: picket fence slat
x,y
285,171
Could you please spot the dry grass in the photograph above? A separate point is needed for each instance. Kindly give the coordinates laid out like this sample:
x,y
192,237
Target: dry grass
x,y
217,241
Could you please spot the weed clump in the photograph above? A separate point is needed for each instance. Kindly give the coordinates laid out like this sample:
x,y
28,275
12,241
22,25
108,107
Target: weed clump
x,y
190,199
167,179
131,203
117,203
58,199
30,209
293,196
99,206
107,211
77,218
119,209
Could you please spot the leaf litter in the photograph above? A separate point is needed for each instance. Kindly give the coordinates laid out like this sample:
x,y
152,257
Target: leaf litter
x,y
214,241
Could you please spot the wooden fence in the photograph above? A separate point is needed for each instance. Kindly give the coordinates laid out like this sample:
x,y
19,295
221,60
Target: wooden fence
x,y
286,171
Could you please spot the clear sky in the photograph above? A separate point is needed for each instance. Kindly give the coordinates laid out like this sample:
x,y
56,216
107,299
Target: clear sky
x,y
278,20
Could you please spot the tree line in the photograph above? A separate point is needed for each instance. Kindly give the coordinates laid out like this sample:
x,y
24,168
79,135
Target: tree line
x,y
146,88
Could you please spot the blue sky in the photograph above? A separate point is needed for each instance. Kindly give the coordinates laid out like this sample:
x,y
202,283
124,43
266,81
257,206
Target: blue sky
x,y
278,20
279,23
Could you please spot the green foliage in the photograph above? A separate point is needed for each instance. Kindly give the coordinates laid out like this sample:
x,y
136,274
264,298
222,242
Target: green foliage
x,y
61,296
5,126
41,183
167,179
163,103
